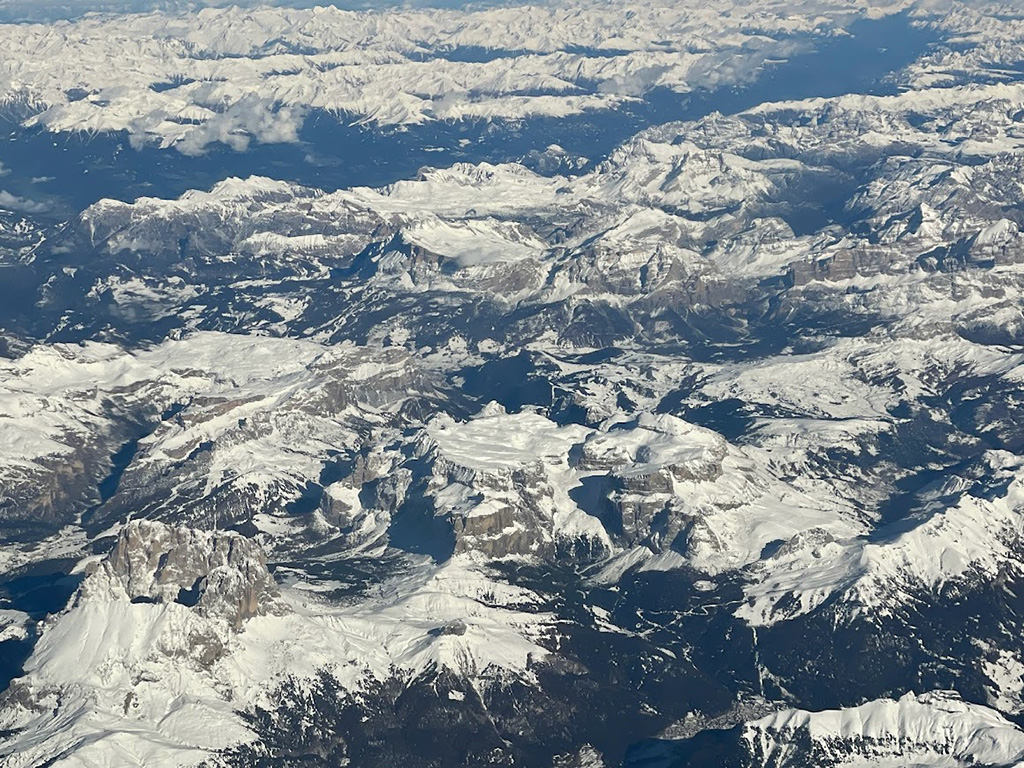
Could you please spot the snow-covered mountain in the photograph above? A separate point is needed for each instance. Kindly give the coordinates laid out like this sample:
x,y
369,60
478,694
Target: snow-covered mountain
x,y
703,450
237,75
922,730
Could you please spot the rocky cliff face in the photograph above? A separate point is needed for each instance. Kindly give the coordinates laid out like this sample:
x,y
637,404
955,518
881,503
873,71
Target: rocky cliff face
x,y
222,575
151,642
730,415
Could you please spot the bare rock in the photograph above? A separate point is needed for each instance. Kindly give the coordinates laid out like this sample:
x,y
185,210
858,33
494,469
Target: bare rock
x,y
221,574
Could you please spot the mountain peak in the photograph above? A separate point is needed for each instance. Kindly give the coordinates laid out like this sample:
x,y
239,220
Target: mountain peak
x,y
222,574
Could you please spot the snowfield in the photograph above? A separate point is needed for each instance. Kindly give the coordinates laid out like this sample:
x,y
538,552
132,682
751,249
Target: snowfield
x,y
707,446
239,75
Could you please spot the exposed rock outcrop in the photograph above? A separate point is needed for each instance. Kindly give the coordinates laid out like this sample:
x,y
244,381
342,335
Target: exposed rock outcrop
x,y
223,575
650,462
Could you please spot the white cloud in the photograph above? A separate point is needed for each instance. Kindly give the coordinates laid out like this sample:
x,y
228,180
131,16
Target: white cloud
x,y
21,204
249,119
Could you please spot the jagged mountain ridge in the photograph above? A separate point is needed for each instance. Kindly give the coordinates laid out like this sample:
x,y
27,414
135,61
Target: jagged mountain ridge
x,y
242,75
617,244
550,463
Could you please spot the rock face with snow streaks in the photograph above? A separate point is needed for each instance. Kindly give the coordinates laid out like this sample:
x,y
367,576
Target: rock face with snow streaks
x,y
349,418
223,575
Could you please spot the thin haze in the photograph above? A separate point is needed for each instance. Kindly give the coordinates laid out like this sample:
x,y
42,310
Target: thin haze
x,y
53,10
